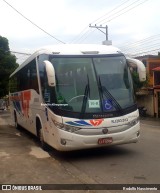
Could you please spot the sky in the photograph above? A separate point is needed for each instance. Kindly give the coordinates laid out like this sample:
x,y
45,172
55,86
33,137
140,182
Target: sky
x,y
68,21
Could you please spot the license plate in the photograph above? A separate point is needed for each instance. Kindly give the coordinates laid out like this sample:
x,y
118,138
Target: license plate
x,y
107,140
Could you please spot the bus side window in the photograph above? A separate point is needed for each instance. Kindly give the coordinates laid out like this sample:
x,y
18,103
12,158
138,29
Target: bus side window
x,y
27,77
33,76
13,84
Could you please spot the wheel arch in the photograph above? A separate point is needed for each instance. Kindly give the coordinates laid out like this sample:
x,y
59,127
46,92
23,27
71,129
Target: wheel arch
x,y
15,119
38,124
40,133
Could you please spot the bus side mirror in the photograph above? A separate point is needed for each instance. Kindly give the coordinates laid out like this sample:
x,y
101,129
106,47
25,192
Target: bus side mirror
x,y
134,63
50,71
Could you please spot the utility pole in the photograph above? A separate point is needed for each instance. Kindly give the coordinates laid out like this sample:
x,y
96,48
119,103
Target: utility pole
x,y
106,42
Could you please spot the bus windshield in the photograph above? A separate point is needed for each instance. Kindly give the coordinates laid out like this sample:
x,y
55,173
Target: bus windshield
x,y
92,84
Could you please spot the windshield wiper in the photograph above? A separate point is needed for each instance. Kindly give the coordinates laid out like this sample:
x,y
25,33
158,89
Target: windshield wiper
x,y
107,94
86,94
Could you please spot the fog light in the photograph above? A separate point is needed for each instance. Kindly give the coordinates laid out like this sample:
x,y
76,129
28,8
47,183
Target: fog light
x,y
138,133
63,142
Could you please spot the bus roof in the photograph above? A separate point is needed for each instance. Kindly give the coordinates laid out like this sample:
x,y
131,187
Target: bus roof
x,y
71,49
80,49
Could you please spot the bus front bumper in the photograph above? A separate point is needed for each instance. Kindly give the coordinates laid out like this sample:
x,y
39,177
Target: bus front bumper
x,y
71,141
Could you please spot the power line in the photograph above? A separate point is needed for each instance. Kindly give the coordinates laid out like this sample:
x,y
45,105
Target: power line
x,y
22,58
142,46
111,15
109,12
21,53
82,32
132,43
140,42
33,22
85,35
121,13
147,49
146,45
116,14
87,32
142,53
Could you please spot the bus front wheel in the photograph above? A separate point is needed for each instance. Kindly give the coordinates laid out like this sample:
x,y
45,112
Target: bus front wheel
x,y
41,137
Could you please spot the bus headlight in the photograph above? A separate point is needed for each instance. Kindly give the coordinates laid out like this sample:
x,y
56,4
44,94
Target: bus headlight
x,y
58,125
68,128
134,122
71,129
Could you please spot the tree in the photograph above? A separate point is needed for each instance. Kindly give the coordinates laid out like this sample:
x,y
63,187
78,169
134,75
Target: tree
x,y
136,82
7,65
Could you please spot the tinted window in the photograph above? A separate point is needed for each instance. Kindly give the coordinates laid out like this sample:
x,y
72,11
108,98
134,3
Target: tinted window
x,y
25,79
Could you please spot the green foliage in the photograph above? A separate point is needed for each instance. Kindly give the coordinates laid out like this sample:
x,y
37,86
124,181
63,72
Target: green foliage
x,y
4,46
7,65
136,82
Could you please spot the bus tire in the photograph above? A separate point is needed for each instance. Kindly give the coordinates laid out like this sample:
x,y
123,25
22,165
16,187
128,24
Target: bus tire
x,y
43,145
16,121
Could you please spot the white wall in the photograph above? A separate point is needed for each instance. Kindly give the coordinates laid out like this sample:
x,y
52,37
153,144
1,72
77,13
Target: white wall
x,y
147,102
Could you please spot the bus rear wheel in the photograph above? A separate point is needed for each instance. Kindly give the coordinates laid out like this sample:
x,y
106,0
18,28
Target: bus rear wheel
x,y
16,121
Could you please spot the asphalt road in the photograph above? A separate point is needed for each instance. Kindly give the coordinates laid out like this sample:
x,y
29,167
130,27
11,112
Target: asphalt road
x,y
23,162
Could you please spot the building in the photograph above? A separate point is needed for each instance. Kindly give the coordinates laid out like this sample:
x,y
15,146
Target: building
x,y
150,95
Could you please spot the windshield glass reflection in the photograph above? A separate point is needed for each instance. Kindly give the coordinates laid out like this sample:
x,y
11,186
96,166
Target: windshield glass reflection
x,y
93,84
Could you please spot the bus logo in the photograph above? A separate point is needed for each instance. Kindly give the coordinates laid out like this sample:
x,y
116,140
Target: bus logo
x,y
96,122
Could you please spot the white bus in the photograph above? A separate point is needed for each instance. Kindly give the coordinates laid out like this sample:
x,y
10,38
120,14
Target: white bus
x,y
77,96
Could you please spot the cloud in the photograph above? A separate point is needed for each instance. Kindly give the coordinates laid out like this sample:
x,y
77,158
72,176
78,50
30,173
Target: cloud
x,y
65,19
